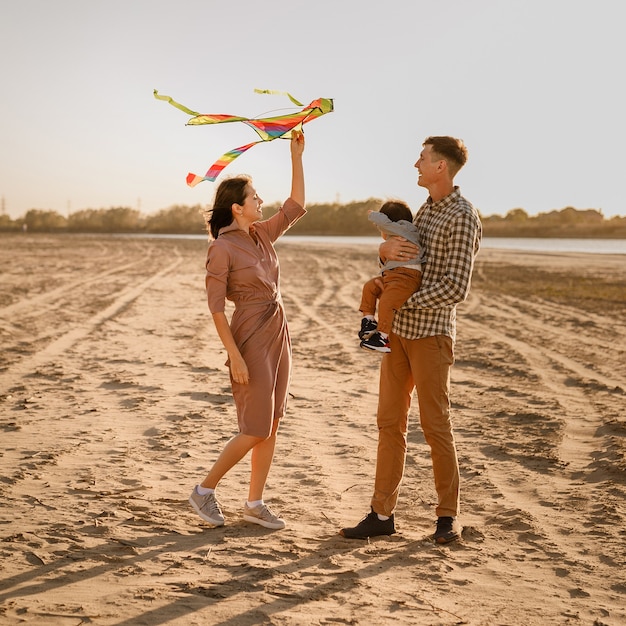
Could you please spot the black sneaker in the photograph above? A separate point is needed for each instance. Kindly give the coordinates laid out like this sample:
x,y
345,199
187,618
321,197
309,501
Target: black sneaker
x,y
368,327
377,343
369,526
447,530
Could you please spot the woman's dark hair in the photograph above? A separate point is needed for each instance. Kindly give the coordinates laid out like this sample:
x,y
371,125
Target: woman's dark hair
x,y
230,191
397,210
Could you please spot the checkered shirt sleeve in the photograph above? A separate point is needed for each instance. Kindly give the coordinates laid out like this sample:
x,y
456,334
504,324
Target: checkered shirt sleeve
x,y
451,232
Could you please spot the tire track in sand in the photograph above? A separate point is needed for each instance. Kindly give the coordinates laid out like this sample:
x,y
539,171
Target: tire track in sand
x,y
540,493
324,430
63,343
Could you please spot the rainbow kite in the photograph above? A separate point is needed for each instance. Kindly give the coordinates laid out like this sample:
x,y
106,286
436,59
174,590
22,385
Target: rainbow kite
x,y
268,128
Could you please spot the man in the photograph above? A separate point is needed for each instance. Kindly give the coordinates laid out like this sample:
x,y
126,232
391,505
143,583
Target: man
x,y
422,343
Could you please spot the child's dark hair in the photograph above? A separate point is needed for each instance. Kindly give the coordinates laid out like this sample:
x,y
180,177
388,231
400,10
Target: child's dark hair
x,y
397,210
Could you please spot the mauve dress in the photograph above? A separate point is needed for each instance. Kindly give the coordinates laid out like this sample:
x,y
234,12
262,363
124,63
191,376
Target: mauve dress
x,y
248,274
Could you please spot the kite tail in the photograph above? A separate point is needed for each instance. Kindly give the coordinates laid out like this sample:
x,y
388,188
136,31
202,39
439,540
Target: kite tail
x,y
182,107
216,169
273,92
194,179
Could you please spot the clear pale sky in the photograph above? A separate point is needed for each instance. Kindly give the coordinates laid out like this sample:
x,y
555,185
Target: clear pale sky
x,y
534,87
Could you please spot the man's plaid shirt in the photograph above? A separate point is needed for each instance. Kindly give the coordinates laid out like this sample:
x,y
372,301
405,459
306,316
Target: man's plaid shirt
x,y
450,232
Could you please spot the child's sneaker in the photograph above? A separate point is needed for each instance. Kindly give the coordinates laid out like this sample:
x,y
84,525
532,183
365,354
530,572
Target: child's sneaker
x,y
368,328
376,342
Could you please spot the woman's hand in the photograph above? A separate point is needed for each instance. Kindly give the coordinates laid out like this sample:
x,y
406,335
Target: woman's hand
x,y
397,249
239,369
297,143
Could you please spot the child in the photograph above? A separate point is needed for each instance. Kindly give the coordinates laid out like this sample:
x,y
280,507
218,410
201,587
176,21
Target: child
x,y
400,278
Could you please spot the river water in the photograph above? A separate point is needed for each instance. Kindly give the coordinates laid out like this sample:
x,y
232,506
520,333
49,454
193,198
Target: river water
x,y
526,244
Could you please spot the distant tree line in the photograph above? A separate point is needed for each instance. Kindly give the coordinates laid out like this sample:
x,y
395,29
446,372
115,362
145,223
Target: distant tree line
x,y
322,219
175,220
568,222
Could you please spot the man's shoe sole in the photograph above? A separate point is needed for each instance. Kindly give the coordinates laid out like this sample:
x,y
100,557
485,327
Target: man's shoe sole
x,y
342,533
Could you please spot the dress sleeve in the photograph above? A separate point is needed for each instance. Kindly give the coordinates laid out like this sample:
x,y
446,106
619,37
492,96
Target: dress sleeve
x,y
280,222
216,281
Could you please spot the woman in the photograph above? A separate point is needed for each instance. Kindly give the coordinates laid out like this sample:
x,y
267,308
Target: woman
x,y
242,266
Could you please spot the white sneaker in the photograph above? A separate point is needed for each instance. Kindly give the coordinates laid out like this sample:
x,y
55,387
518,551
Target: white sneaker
x,y
207,507
263,516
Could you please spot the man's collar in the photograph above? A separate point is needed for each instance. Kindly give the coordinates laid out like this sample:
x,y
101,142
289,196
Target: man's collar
x,y
453,195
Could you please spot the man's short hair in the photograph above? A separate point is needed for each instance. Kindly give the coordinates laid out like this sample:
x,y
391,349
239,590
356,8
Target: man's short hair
x,y
452,150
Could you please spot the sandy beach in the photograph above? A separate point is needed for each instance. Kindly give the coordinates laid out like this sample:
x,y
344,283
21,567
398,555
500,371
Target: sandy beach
x,y
114,401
